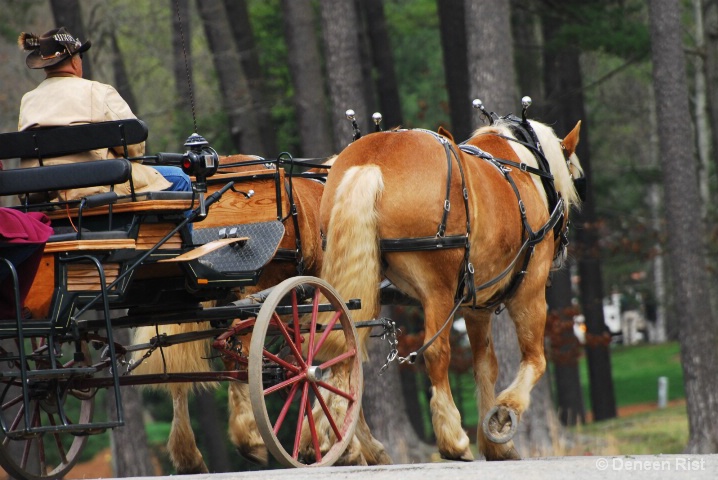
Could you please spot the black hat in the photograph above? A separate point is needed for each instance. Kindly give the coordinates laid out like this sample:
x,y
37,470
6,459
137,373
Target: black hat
x,y
51,48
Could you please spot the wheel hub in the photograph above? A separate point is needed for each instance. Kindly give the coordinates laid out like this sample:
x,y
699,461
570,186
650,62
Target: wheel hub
x,y
315,374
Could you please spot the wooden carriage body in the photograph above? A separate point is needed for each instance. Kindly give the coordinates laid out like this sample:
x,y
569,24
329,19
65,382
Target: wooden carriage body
x,y
138,260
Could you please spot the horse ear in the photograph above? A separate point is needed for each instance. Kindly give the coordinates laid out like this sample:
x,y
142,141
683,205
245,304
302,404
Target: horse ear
x,y
571,141
444,132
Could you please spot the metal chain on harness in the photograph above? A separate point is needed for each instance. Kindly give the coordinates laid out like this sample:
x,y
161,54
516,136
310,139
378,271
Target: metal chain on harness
x,y
389,334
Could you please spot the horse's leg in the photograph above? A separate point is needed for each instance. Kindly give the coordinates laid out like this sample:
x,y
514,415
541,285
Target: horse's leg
x,y
451,438
528,312
183,357
371,448
243,431
182,446
478,327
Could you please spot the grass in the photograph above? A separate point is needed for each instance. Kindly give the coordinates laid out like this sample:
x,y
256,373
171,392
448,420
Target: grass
x,y
636,370
649,433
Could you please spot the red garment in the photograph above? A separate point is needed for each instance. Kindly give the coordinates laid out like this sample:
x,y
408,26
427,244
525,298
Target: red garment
x,y
22,241
20,227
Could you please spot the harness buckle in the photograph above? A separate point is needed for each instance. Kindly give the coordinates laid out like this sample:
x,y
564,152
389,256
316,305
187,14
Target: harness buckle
x,y
466,194
470,268
523,167
447,205
522,207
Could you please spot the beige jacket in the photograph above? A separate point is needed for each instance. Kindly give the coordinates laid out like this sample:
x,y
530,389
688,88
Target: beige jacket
x,y
68,100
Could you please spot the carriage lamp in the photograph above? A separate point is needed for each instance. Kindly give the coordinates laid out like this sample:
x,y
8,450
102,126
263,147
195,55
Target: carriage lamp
x,y
200,160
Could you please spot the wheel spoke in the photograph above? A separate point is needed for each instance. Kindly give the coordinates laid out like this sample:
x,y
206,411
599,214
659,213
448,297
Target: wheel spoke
x,y
327,331
295,318
313,432
283,329
12,403
327,412
334,389
284,384
300,421
283,414
281,362
58,440
313,326
340,358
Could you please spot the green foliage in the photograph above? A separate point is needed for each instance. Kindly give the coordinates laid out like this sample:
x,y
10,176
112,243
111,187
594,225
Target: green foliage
x,y
414,33
616,27
267,26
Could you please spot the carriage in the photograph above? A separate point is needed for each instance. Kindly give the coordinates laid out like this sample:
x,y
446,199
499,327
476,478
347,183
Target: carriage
x,y
153,259
483,237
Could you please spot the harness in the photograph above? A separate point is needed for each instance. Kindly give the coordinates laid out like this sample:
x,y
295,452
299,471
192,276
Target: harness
x,y
466,292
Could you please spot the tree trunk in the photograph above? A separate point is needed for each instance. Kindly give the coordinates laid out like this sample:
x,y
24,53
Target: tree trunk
x,y
67,13
700,108
564,92
243,35
343,65
491,56
130,452
711,65
232,81
491,68
565,349
527,42
122,80
384,406
305,67
383,61
686,251
452,24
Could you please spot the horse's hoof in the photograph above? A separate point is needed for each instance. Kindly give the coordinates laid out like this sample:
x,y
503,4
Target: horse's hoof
x,y
500,424
258,455
202,468
467,456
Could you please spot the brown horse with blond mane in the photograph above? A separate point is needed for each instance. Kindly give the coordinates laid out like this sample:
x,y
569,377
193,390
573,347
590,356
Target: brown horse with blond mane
x,y
462,230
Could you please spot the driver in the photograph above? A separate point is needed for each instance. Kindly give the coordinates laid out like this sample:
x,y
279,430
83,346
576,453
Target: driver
x,y
65,98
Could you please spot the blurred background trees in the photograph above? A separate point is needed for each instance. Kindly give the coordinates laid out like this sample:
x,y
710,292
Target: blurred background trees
x,y
269,76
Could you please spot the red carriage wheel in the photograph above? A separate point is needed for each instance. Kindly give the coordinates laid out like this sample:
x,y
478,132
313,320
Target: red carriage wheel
x,y
305,416
48,452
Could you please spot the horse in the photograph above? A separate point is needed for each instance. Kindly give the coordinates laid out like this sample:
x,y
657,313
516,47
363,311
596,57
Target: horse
x,y
463,230
191,356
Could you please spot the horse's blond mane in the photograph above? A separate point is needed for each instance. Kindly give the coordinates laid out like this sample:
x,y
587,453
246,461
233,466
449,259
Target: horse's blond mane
x,y
551,146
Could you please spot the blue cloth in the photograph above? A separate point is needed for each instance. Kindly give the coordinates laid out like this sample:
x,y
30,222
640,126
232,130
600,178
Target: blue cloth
x,y
180,183
180,180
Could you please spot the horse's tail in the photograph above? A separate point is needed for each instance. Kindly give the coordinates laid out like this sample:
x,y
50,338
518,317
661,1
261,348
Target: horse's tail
x,y
186,357
352,257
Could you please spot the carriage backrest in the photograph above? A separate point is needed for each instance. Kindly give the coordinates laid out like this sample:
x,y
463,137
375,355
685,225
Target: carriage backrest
x,y
58,141
62,177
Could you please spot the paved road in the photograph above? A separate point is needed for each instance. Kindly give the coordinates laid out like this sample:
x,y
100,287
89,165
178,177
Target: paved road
x,y
640,467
